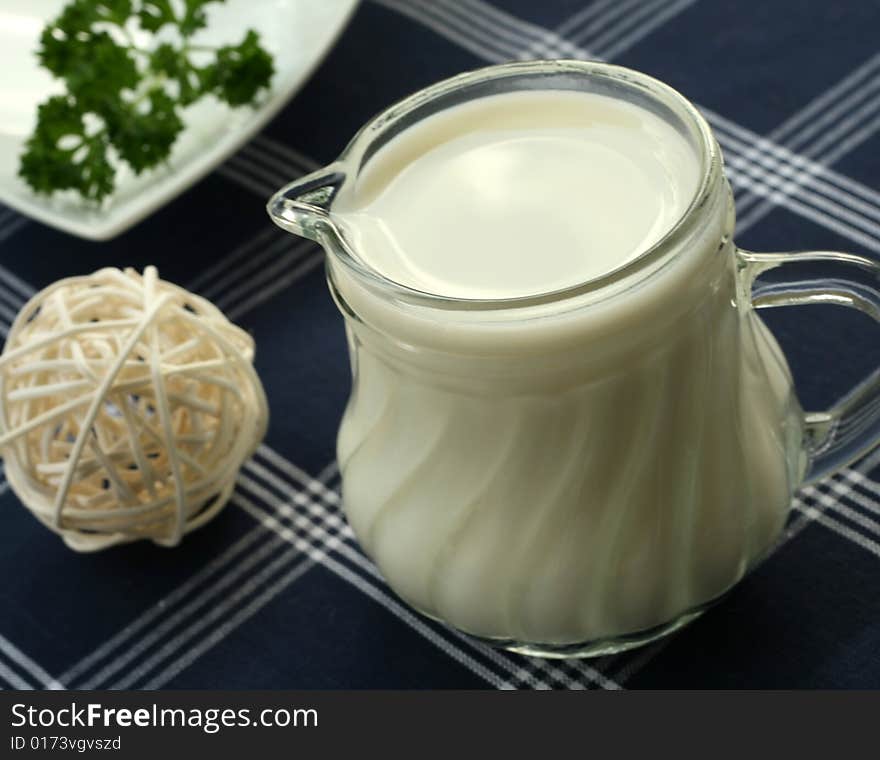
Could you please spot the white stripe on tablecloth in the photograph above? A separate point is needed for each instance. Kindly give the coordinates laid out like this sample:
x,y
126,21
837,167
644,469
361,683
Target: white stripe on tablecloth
x,y
844,137
823,518
329,472
236,279
609,33
9,296
11,300
663,13
291,156
580,20
241,604
13,679
541,42
837,152
844,491
478,32
631,29
590,24
771,184
779,198
291,253
234,173
847,128
7,313
862,480
494,50
220,632
25,663
837,103
266,180
256,160
223,271
203,585
293,261
279,259
12,226
14,283
222,594
786,165
296,260
862,500
245,170
306,265
263,166
854,112
783,161
821,103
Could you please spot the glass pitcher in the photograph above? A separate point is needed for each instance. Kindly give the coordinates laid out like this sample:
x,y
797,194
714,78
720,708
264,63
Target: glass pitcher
x,y
578,472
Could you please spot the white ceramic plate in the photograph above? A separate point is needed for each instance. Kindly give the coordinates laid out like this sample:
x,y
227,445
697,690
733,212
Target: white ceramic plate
x,y
297,32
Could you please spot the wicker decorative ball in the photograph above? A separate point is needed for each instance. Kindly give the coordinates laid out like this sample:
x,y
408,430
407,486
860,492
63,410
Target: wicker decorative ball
x,y
127,407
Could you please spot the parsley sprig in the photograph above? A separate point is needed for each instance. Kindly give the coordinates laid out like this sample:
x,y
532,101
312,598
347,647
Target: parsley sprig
x,y
123,100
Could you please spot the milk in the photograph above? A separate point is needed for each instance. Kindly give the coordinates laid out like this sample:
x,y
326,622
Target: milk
x,y
574,469
520,193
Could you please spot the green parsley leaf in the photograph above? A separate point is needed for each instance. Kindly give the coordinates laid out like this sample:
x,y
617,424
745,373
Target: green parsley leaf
x,y
144,133
240,71
60,155
176,65
194,17
133,93
114,11
94,67
154,14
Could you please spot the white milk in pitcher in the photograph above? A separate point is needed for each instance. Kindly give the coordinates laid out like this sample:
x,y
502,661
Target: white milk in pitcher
x,y
520,194
579,469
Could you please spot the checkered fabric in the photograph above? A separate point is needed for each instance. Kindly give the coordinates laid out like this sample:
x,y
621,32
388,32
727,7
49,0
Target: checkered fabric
x,y
275,593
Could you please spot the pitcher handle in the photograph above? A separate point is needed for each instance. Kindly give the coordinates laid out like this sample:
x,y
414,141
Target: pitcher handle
x,y
851,428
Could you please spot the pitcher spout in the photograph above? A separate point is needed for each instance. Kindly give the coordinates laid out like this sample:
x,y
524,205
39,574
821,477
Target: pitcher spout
x,y
302,206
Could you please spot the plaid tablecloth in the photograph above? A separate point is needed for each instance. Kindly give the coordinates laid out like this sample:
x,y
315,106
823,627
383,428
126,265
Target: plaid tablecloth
x,y
275,593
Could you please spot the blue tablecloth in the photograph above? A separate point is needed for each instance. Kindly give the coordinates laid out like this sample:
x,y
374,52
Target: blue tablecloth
x,y
274,593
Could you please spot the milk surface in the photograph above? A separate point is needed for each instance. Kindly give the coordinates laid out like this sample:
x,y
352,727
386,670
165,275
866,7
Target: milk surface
x,y
519,193
578,469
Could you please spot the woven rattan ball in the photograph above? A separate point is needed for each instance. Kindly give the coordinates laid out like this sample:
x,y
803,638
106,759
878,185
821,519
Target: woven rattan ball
x,y
127,407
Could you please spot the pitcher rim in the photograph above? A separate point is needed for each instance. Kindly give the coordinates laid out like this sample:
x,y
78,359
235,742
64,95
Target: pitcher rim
x,y
357,153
